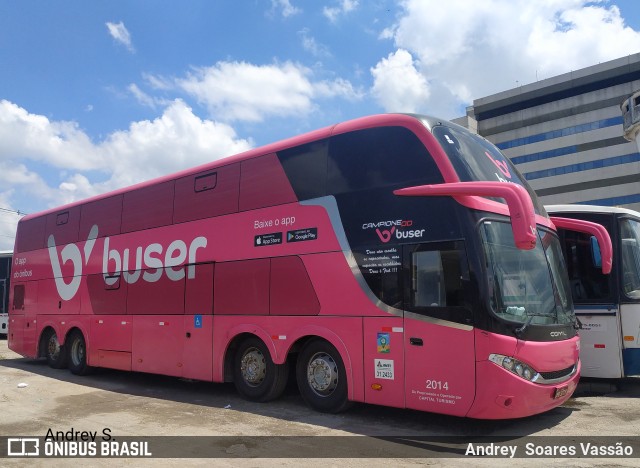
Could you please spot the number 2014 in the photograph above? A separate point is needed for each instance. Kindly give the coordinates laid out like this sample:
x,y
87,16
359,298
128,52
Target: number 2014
x,y
437,385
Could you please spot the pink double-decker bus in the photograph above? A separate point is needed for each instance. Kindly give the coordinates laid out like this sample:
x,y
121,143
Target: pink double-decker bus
x,y
397,260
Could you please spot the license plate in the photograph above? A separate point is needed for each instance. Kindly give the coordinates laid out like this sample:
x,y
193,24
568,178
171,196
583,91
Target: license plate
x,y
560,392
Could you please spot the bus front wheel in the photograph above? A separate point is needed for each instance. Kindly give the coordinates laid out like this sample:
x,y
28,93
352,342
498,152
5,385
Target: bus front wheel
x,y
53,351
321,377
256,377
77,353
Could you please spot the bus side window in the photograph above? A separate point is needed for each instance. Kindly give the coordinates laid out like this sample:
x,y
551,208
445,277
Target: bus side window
x,y
148,207
427,280
588,284
18,297
306,169
30,235
376,158
207,194
435,280
105,213
63,226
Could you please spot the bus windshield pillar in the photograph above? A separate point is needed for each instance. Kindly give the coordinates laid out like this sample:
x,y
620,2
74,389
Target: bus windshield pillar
x,y
518,201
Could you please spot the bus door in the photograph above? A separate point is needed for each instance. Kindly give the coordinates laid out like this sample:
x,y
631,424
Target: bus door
x,y
4,293
596,305
630,285
439,343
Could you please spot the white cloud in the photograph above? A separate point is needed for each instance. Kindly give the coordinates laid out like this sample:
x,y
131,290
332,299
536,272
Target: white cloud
x,y
285,7
31,136
120,33
240,91
398,86
176,140
472,49
312,46
344,7
144,98
8,221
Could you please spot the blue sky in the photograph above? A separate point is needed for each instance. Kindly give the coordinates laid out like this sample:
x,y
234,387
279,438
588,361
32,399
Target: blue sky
x,y
99,95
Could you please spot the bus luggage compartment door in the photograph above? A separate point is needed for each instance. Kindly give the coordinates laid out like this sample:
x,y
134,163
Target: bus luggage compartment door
x,y
630,323
600,346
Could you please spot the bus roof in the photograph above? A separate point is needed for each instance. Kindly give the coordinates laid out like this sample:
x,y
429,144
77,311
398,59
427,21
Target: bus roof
x,y
371,121
6,253
590,209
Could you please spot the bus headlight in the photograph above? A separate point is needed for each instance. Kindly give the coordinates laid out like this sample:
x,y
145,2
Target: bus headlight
x,y
515,367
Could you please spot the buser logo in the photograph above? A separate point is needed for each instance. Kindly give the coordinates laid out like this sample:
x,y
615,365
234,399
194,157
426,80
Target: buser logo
x,y
149,263
70,253
401,232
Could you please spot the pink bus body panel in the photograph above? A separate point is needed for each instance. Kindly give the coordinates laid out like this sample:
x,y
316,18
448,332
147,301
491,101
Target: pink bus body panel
x,y
440,374
499,394
377,354
197,354
157,344
172,271
199,291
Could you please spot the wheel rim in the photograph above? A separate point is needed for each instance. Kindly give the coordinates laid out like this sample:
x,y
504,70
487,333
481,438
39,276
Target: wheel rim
x,y
253,367
53,347
322,374
77,352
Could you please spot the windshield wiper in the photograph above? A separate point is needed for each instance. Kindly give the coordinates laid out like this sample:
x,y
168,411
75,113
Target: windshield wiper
x,y
577,324
520,330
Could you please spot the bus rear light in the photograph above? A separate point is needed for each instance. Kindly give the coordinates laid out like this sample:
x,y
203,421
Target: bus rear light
x,y
599,346
515,367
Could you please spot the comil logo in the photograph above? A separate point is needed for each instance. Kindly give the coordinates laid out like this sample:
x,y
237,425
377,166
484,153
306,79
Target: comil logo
x,y
70,253
386,230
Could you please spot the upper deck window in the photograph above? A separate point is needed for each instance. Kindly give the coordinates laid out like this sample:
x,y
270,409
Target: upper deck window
x,y
378,157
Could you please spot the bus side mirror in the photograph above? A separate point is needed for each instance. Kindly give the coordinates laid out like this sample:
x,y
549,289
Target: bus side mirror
x,y
520,206
598,231
596,256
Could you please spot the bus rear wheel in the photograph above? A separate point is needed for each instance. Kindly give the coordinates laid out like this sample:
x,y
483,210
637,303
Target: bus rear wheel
x,y
77,353
53,351
256,377
322,379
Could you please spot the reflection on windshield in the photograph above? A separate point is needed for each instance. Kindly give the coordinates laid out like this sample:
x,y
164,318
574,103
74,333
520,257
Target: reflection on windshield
x,y
475,158
630,233
527,283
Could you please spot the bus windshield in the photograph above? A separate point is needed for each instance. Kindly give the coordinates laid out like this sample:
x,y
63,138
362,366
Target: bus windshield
x,y
475,158
630,233
520,280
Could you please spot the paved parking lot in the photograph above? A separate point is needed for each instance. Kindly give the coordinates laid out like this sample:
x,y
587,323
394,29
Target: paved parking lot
x,y
35,398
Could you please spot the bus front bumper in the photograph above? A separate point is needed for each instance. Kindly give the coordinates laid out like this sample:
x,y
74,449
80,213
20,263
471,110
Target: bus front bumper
x,y
501,394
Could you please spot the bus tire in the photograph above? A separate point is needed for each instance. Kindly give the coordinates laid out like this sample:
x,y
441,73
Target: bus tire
x,y
77,353
256,377
322,379
53,351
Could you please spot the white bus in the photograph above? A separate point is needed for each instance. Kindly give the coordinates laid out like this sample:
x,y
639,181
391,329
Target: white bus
x,y
608,306
5,274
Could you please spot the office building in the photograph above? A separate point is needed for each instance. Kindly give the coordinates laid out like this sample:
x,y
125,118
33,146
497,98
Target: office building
x,y
565,133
